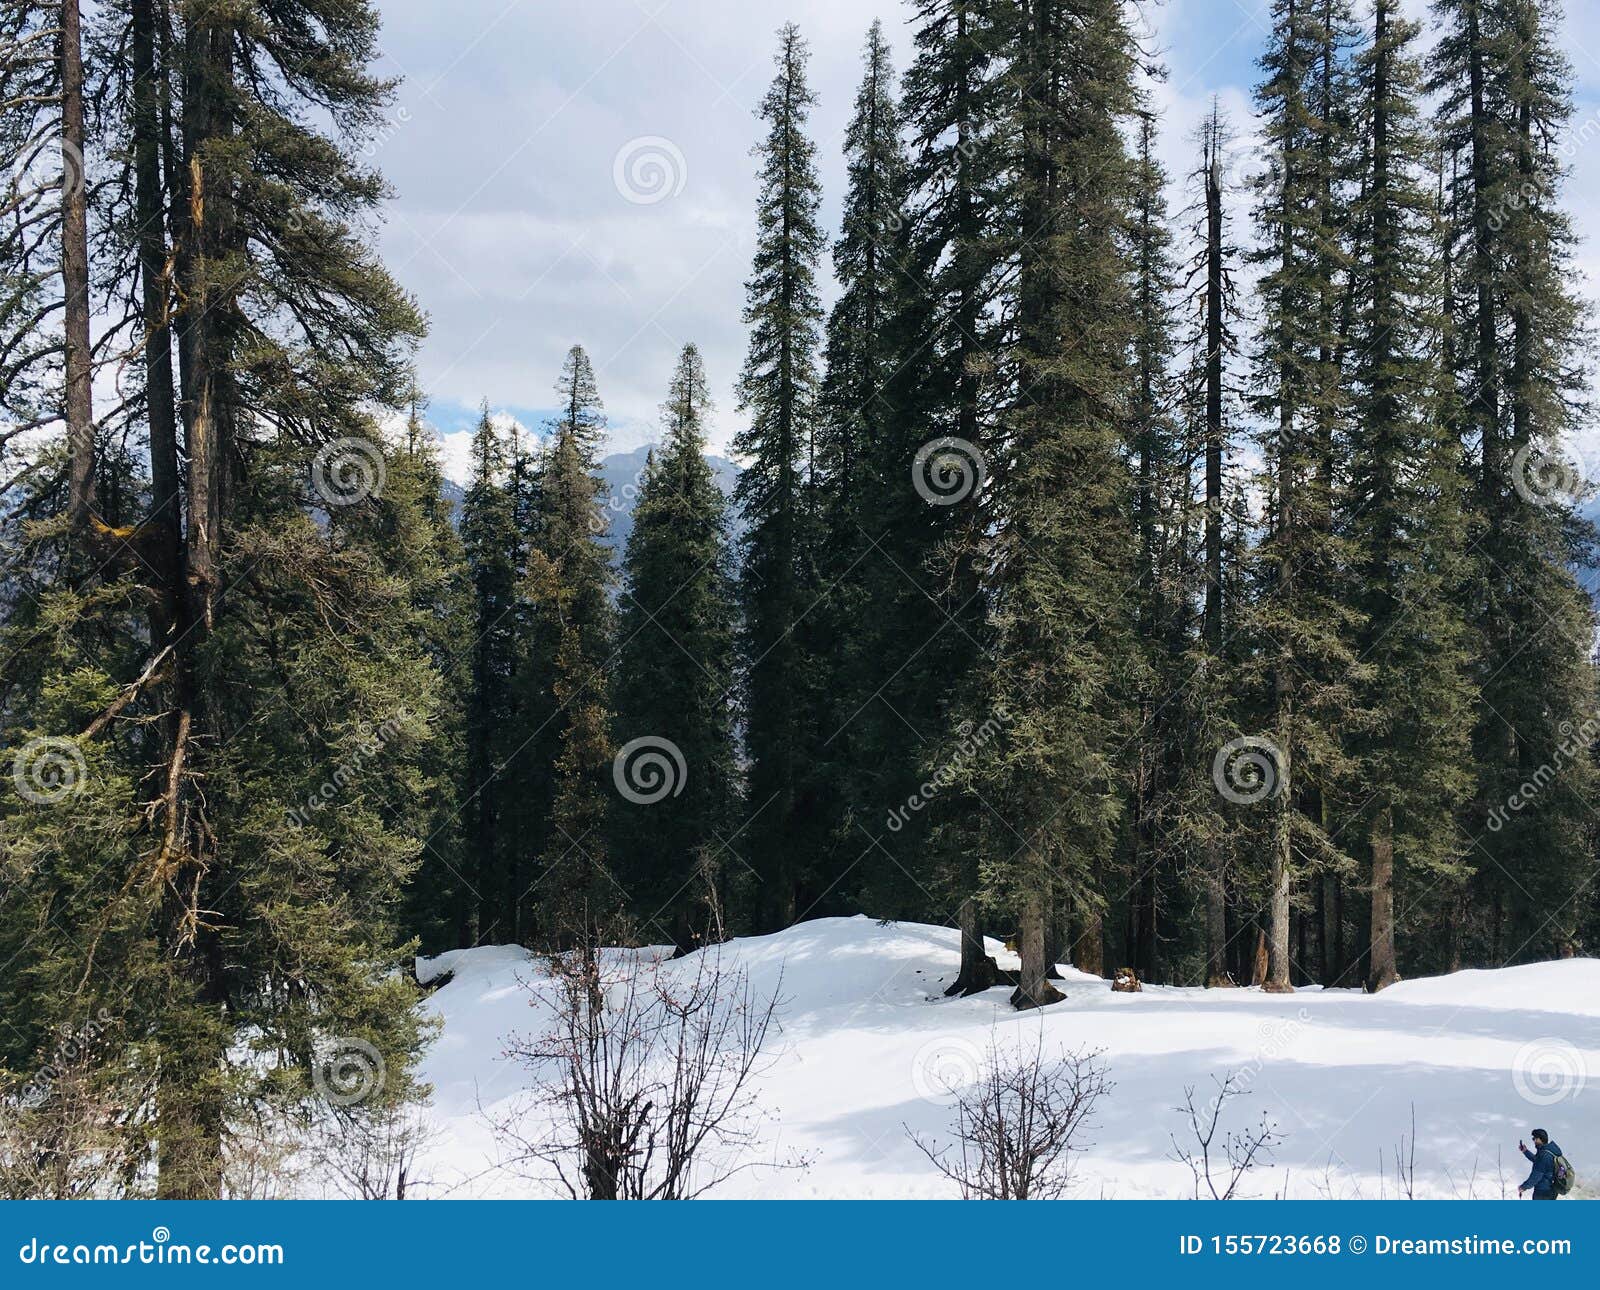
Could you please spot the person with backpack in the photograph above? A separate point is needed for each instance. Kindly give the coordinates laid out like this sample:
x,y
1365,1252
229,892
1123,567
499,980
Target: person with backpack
x,y
1551,1176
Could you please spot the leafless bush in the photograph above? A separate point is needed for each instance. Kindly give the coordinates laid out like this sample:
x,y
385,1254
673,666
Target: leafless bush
x,y
373,1154
645,1075
1016,1128
1221,1158
66,1133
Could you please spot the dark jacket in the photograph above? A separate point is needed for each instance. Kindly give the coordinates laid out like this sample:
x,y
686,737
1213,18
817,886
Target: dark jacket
x,y
1542,1179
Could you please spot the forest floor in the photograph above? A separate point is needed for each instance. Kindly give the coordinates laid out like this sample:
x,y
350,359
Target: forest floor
x,y
871,1052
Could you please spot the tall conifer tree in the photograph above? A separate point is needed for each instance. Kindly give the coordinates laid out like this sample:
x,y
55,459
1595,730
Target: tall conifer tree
x,y
778,390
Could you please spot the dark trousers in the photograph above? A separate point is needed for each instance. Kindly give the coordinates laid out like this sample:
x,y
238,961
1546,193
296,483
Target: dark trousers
x,y
1545,1195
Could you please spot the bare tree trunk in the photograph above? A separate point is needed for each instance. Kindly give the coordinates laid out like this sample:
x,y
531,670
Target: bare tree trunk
x,y
1033,987
978,969
1217,974
1381,970
75,274
1277,978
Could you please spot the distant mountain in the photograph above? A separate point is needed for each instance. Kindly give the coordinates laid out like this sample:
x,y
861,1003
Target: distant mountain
x,y
622,472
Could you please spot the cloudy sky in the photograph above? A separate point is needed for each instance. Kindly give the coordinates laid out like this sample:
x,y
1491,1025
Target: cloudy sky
x,y
580,171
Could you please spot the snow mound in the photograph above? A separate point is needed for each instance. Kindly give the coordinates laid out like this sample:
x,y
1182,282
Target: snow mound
x,y
870,1050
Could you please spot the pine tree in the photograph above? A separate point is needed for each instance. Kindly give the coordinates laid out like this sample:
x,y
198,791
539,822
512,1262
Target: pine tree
x,y
490,542
1298,616
927,633
223,713
569,582
1506,90
1060,564
1406,522
778,389
675,683
418,543
854,422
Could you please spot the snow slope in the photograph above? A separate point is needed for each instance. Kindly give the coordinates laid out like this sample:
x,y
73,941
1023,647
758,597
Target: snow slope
x,y
870,1047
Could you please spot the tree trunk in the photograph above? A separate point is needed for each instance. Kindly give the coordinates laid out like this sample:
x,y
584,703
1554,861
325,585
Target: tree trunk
x,y
1217,974
78,360
1337,953
978,971
190,1095
1033,988
1277,977
1381,970
1088,946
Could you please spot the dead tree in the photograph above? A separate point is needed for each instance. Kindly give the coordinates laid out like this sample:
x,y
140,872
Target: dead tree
x,y
643,1078
1017,1129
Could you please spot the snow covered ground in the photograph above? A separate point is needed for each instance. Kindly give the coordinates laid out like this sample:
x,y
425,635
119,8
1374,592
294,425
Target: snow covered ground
x,y
870,1046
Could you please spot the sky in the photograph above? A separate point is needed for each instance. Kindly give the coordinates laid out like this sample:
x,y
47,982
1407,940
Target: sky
x,y
580,171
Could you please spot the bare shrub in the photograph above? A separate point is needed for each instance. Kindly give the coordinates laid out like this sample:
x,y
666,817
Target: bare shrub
x,y
374,1154
1221,1159
1016,1128
643,1077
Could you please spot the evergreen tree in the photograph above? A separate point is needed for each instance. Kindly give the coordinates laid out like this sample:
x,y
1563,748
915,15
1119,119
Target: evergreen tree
x,y
854,417
927,632
1505,91
1060,564
490,542
674,680
1406,524
778,389
569,583
1299,618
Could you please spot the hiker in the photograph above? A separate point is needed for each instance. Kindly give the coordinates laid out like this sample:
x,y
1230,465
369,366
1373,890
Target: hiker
x,y
1542,1179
